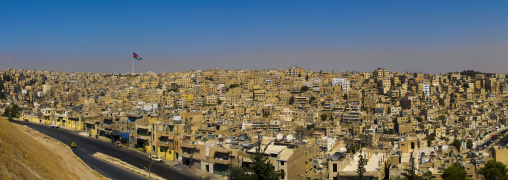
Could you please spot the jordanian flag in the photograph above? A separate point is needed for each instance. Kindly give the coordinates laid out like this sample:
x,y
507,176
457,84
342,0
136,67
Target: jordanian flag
x,y
135,56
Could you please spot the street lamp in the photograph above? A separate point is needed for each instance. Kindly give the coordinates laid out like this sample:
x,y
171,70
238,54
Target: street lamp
x,y
150,167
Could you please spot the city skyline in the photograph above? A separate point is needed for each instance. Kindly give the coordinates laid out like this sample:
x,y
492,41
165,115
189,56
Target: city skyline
x,y
261,90
417,36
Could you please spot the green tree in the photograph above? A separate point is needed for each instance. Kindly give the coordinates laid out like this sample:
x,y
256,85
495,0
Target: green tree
x,y
361,166
304,88
411,175
14,110
323,117
312,98
430,138
239,173
454,172
419,119
310,126
11,111
233,86
427,176
469,144
263,168
452,100
291,100
457,144
352,149
494,170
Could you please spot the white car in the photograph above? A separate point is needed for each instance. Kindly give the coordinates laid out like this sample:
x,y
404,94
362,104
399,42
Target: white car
x,y
155,158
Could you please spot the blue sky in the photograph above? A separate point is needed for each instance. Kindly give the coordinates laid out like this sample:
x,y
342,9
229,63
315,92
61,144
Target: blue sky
x,y
99,36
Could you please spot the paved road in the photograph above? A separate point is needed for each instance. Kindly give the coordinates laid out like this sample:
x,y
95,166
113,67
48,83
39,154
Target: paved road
x,y
491,140
88,146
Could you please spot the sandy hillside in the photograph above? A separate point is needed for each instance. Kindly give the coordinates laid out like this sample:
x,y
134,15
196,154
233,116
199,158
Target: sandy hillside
x,y
28,154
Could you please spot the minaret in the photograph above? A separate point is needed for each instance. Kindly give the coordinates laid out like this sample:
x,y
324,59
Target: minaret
x,y
162,71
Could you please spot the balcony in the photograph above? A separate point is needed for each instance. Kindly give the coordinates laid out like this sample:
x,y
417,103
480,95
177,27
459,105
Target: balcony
x,y
167,133
221,158
224,151
143,136
166,144
222,161
188,145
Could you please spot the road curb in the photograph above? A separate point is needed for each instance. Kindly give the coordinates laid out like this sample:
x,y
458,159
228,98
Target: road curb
x,y
125,165
173,168
85,163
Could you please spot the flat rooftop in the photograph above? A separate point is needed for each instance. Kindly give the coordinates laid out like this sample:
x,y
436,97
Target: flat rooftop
x,y
372,164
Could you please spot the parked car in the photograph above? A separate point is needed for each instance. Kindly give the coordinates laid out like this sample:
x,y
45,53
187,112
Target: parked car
x,y
155,158
74,145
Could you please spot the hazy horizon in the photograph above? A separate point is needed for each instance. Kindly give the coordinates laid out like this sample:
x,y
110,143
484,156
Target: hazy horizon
x,y
400,36
314,71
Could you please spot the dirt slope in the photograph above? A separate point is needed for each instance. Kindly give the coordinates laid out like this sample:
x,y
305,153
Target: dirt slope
x,y
28,154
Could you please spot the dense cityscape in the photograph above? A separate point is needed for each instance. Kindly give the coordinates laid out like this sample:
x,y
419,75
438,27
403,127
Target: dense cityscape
x,y
308,124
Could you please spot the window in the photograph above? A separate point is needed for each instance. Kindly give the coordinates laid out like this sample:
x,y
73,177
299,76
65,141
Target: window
x,y
334,167
282,163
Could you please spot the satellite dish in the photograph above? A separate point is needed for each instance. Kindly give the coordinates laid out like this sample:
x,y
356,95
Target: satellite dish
x,y
279,137
335,156
220,135
290,137
316,163
342,149
242,137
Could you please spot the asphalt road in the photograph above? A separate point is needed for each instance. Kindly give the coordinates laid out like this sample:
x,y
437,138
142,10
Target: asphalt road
x,y
89,146
491,140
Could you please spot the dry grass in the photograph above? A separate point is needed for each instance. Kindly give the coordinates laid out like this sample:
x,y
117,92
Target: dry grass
x,y
27,154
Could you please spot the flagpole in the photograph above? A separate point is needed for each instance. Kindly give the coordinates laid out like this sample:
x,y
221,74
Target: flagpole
x,y
132,60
